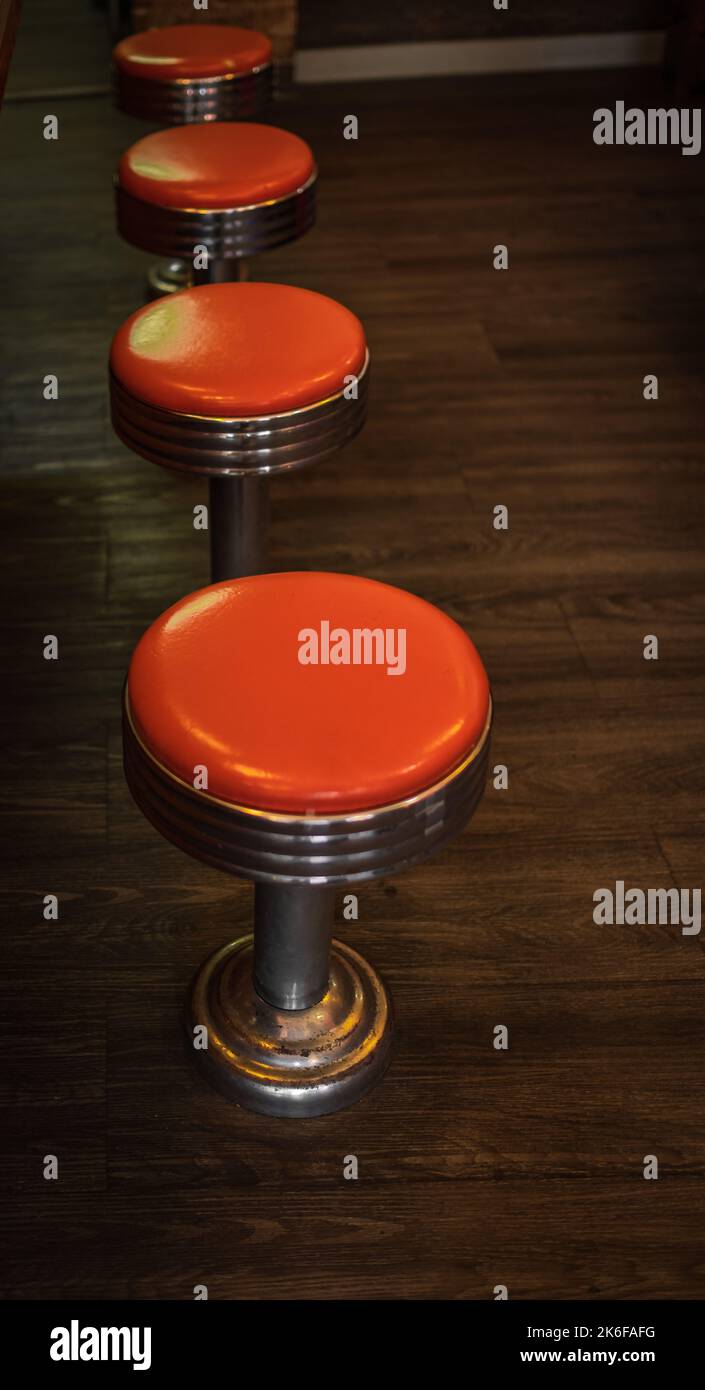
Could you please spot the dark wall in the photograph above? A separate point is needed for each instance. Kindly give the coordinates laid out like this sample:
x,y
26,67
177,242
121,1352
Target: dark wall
x,y
9,17
322,23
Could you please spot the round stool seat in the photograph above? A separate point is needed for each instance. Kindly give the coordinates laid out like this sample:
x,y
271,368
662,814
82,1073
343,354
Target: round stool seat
x,y
235,189
308,697
216,166
193,72
235,377
192,50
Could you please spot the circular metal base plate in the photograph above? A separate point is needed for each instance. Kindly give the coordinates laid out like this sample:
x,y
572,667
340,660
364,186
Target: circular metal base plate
x,y
164,277
290,1062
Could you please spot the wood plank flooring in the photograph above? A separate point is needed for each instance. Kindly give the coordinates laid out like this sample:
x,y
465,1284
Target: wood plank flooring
x,y
524,388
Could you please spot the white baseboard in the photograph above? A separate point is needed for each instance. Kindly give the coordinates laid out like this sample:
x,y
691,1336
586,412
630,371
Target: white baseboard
x,y
478,56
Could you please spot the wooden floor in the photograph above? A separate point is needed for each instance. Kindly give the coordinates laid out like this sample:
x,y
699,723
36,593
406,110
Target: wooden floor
x,y
477,1168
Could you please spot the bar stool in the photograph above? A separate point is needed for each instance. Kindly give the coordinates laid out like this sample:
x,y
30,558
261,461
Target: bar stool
x,y
304,731
236,382
231,190
188,73
193,72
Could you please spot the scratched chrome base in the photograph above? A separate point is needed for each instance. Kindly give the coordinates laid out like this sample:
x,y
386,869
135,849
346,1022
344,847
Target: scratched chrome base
x,y
290,1061
165,277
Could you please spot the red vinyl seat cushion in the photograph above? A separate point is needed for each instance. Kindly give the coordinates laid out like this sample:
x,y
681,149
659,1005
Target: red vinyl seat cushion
x,y
192,50
217,681
223,165
238,350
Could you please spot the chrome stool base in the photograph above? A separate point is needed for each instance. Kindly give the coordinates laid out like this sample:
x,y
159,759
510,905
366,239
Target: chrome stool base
x,y
290,1062
166,277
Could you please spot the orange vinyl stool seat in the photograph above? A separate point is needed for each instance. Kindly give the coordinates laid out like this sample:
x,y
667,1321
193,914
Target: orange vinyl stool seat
x,y
231,190
302,730
236,382
356,735
193,72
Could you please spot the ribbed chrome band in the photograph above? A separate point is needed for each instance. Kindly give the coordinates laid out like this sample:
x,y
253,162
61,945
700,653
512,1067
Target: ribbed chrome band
x,y
277,848
213,447
227,232
187,100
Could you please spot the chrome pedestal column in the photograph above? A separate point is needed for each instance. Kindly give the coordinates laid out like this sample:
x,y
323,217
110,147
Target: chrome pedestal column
x,y
238,514
238,456
293,930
